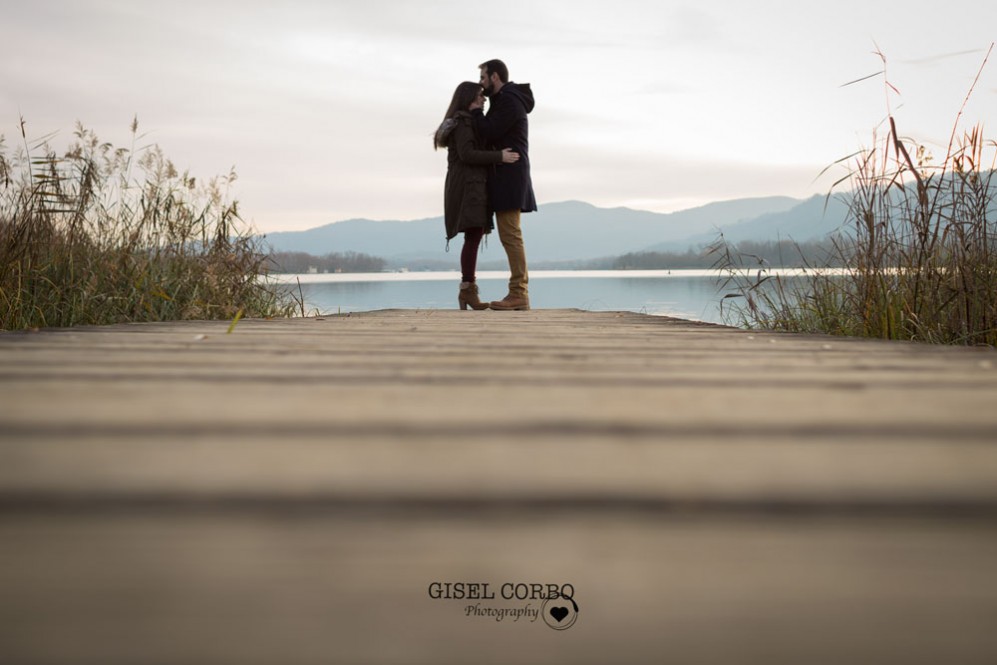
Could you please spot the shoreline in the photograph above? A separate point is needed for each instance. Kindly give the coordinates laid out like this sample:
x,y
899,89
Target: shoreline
x,y
444,275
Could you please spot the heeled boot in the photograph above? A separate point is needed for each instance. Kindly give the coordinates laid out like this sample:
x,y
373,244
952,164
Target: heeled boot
x,y
468,295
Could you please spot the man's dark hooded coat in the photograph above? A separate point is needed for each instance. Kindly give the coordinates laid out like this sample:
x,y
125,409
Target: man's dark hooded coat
x,y
510,186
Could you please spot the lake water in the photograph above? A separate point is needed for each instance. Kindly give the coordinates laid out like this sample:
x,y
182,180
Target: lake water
x,y
688,294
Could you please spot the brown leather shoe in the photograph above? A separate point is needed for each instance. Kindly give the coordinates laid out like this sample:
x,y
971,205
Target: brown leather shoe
x,y
468,295
510,303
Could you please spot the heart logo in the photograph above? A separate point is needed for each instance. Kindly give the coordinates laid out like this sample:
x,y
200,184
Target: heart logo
x,y
559,613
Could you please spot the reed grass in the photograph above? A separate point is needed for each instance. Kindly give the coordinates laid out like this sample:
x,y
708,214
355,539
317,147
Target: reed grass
x,y
919,247
104,235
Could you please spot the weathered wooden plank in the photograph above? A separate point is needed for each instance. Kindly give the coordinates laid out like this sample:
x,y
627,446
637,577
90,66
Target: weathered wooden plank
x,y
286,493
292,587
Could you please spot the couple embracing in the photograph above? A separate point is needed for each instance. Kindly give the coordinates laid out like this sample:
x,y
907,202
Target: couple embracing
x,y
488,170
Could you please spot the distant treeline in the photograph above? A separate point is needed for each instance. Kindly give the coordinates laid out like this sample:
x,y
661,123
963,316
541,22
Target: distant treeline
x,y
300,262
784,253
781,254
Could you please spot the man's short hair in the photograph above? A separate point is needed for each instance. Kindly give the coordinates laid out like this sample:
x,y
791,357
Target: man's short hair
x,y
496,67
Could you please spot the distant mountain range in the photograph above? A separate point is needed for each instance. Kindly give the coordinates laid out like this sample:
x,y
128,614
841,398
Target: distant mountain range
x,y
576,231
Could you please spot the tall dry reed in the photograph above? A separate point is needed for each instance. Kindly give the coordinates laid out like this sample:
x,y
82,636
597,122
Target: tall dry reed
x,y
919,247
103,235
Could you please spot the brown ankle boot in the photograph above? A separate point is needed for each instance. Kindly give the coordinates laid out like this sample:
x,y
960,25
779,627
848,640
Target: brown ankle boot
x,y
468,295
511,302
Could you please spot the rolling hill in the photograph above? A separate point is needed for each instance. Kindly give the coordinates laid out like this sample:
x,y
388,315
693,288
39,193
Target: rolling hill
x,y
573,230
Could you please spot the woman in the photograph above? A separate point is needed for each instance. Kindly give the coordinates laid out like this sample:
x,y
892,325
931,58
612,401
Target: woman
x,y
465,202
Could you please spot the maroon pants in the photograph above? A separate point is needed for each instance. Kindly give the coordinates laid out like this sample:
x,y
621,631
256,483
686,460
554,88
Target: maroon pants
x,y
469,254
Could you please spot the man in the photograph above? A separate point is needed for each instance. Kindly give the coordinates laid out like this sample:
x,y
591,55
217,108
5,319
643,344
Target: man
x,y
510,188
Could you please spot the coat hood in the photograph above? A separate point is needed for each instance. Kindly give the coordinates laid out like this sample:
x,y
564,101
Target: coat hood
x,y
520,91
444,131
447,126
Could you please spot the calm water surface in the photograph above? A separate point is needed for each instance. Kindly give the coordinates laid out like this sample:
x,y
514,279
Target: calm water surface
x,y
688,294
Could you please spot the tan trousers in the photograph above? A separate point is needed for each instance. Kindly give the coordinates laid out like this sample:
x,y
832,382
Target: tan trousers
x,y
511,235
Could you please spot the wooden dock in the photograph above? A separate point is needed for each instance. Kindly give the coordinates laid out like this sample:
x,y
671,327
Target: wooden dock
x,y
312,490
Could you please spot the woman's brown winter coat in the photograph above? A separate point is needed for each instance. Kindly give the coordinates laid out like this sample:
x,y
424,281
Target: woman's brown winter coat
x,y
465,199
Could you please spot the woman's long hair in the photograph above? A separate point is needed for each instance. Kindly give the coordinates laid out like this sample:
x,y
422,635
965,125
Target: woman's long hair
x,y
462,98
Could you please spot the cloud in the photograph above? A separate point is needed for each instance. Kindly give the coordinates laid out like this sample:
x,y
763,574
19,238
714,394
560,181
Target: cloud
x,y
326,107
575,173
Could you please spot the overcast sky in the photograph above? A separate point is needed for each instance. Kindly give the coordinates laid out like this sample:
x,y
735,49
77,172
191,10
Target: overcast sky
x,y
326,109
